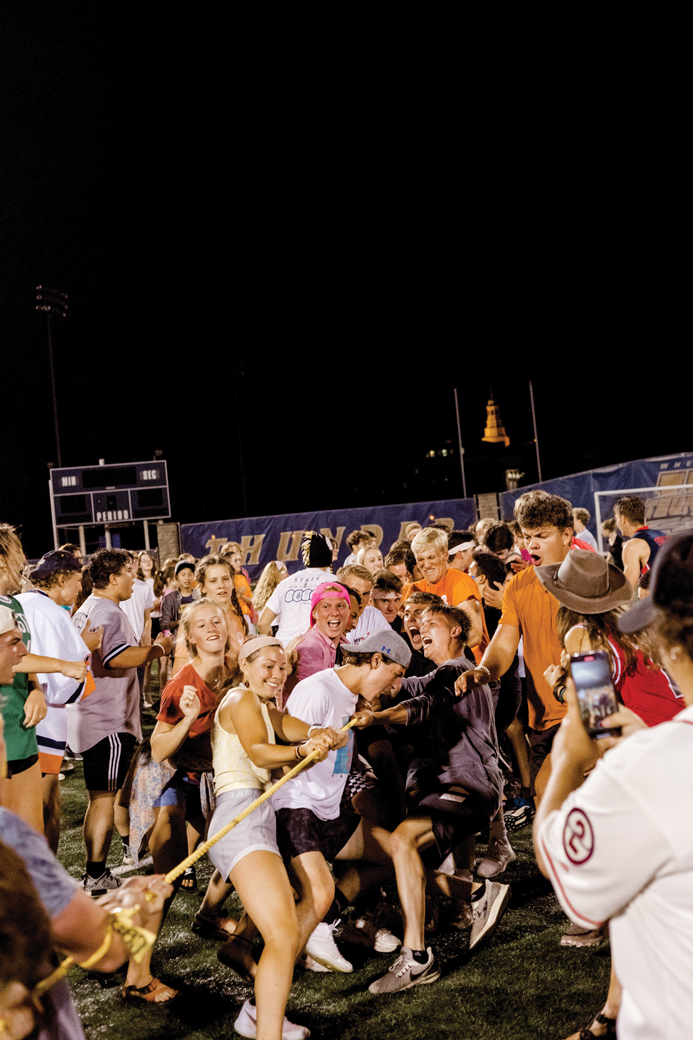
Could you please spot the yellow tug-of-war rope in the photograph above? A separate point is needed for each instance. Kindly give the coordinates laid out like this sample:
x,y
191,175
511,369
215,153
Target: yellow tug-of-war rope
x,y
138,940
206,845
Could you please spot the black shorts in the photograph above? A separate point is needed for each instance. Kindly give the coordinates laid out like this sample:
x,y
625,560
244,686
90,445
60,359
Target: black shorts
x,y
540,741
300,830
20,765
106,763
454,815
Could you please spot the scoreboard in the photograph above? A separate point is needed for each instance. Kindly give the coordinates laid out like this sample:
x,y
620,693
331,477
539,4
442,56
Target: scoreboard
x,y
84,495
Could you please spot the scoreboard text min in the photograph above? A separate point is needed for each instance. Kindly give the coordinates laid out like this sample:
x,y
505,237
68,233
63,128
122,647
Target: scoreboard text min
x,y
110,494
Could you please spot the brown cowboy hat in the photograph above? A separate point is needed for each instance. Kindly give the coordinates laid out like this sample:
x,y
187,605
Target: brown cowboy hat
x,y
586,583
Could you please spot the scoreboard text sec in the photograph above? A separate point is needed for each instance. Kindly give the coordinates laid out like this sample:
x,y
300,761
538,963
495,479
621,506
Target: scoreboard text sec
x,y
110,494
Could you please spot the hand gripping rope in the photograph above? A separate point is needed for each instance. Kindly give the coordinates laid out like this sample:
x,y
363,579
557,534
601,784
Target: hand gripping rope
x,y
139,940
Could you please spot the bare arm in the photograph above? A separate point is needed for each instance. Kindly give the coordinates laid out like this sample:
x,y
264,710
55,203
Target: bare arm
x,y
266,621
35,663
167,738
498,657
242,715
293,730
146,639
135,656
636,552
79,930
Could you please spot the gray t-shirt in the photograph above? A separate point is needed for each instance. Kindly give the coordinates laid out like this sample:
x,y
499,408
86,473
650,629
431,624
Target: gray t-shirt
x,y
114,705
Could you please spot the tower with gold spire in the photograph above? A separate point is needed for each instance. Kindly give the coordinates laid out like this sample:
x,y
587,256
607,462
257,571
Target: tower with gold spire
x,y
495,431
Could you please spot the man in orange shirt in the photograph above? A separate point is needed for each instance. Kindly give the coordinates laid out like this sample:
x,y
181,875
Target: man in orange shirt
x,y
430,547
529,610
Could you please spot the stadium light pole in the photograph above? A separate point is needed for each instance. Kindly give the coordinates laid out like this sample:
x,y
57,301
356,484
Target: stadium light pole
x,y
459,442
534,421
53,303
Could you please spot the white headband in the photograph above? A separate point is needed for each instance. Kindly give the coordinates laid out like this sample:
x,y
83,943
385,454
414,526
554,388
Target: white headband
x,y
460,547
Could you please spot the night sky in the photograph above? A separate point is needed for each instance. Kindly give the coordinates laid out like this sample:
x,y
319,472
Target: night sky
x,y
311,231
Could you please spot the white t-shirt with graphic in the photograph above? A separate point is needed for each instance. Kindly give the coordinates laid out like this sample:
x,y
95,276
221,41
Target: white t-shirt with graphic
x,y
290,601
321,700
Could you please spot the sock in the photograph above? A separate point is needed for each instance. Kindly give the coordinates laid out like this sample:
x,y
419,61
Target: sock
x,y
126,841
338,907
96,868
420,956
498,830
479,892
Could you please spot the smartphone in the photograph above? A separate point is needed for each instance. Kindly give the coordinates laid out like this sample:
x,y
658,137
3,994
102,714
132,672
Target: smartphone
x,y
596,695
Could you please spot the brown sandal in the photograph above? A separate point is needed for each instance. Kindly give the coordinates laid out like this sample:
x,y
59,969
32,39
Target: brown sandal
x,y
220,928
235,953
155,992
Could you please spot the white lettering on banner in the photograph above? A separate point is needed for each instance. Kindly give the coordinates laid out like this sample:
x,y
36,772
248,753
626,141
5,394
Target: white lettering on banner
x,y
251,547
374,529
285,554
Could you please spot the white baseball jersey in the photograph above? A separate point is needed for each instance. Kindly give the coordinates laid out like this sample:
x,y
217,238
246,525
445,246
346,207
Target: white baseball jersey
x,y
620,849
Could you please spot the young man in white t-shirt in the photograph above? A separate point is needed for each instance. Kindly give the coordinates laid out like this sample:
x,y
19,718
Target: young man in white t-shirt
x,y
316,821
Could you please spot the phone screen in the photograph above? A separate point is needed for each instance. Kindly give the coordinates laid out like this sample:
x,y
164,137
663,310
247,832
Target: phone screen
x,y
596,695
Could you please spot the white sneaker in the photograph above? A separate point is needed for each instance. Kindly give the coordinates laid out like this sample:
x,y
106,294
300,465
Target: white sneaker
x,y
128,858
322,948
246,1025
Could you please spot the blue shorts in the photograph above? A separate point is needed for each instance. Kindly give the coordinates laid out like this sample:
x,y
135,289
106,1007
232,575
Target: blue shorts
x,y
181,791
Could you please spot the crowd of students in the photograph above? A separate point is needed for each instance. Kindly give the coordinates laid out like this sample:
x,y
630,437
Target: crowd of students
x,y
451,659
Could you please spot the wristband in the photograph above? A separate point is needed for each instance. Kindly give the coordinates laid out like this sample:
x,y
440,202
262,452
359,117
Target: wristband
x,y
312,728
299,756
483,668
559,692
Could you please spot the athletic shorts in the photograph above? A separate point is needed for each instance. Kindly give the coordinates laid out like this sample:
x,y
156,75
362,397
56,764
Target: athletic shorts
x,y
540,742
106,763
256,833
300,830
182,792
454,813
20,765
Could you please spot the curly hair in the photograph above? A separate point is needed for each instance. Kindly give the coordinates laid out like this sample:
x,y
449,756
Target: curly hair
x,y
537,509
106,562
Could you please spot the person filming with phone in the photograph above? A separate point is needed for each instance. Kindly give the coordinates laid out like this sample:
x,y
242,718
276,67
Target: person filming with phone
x,y
617,846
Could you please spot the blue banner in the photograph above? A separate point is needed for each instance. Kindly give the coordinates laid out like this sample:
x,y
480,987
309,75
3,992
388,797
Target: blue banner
x,y
265,538
667,505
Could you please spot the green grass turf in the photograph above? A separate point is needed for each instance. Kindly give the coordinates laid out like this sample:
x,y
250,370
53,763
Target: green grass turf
x,y
523,985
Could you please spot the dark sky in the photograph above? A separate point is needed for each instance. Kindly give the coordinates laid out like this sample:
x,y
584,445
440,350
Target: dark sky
x,y
356,216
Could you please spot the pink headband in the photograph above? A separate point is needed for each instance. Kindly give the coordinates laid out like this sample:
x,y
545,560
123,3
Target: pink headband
x,y
327,590
251,645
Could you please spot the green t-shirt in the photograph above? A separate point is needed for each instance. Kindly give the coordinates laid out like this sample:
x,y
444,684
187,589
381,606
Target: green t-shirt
x,y
21,742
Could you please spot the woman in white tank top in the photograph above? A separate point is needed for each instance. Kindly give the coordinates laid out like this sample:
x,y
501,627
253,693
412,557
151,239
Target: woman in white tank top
x,y
244,755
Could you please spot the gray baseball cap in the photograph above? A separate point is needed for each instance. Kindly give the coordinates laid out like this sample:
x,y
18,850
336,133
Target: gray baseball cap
x,y
385,641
